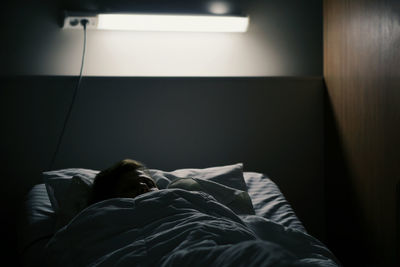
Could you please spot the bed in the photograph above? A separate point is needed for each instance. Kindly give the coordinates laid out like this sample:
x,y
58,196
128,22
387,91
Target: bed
x,y
236,218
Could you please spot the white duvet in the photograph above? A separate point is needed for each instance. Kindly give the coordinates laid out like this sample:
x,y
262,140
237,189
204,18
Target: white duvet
x,y
174,227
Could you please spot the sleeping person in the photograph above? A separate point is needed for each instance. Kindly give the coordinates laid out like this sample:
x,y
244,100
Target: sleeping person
x,y
126,179
130,178
191,222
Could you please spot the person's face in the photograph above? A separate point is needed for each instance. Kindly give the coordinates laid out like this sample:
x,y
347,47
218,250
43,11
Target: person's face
x,y
134,183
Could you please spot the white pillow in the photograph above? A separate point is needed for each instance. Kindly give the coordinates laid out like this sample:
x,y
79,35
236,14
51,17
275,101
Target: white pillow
x,y
74,201
229,175
69,196
57,183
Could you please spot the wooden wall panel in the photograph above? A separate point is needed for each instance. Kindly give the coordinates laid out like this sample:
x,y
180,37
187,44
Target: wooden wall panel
x,y
362,75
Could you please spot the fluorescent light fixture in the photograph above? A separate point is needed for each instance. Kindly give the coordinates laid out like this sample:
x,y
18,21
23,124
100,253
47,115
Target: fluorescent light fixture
x,y
186,23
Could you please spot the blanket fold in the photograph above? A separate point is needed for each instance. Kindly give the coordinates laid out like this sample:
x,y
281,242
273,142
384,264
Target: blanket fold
x,y
175,227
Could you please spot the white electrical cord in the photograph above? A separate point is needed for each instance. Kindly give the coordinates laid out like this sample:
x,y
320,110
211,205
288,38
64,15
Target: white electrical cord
x,y
83,23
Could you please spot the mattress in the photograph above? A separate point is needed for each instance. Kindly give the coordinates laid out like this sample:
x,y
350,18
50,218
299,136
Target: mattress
x,y
38,217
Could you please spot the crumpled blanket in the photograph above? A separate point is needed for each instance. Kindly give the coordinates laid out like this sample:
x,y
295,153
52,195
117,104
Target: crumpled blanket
x,y
175,227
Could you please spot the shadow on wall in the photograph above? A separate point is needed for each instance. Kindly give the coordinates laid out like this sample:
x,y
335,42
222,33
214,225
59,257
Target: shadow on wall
x,y
343,219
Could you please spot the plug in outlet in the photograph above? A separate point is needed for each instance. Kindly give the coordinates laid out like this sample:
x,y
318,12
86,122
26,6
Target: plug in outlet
x,y
74,22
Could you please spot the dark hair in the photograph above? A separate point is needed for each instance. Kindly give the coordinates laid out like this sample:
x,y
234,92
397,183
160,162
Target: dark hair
x,y
106,180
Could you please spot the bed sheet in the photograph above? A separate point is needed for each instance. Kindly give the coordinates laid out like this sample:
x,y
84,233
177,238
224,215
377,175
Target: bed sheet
x,y
35,225
269,202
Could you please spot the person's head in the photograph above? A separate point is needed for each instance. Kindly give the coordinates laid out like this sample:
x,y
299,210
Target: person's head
x,y
127,178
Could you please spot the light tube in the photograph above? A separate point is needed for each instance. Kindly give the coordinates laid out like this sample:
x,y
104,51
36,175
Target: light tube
x,y
186,23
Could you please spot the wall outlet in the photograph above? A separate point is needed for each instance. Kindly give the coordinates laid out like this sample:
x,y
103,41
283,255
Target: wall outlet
x,y
74,22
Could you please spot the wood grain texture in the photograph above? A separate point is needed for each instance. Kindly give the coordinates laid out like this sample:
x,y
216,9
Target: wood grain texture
x,y
362,76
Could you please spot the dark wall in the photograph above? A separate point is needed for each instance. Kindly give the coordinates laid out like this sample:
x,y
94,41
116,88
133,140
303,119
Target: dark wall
x,y
272,125
362,74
